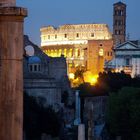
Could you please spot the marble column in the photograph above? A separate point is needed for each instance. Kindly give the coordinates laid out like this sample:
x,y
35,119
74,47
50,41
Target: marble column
x,y
81,132
77,120
11,70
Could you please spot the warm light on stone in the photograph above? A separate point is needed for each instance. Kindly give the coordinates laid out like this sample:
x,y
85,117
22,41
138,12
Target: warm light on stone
x,y
101,52
90,78
74,34
71,75
81,45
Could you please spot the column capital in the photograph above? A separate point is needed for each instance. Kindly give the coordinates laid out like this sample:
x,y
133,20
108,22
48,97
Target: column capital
x,y
7,3
13,11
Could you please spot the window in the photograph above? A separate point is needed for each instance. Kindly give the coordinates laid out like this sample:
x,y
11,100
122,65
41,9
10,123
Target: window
x,y
77,35
116,22
48,36
121,12
101,52
39,68
118,32
44,37
121,22
108,53
29,50
31,68
65,35
127,61
92,34
116,12
35,67
121,32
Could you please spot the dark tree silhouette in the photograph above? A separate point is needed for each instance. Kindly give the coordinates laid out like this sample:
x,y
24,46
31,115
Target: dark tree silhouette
x,y
39,119
123,115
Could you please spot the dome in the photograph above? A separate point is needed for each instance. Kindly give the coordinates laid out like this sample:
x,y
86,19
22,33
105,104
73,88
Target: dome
x,y
34,60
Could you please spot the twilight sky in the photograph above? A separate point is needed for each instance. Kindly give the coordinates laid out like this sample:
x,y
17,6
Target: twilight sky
x,y
58,12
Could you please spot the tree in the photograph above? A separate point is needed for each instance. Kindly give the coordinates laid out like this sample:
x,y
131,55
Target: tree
x,y
114,81
79,74
65,96
39,119
123,114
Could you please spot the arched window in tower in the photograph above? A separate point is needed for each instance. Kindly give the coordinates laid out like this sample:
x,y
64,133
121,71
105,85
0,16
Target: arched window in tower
x,y
121,12
121,22
116,22
116,12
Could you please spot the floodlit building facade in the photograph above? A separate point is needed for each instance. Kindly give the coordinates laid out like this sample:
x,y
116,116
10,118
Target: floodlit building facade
x,y
45,76
83,45
127,58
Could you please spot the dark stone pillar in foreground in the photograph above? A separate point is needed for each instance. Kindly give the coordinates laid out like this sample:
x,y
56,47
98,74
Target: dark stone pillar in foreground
x,y
11,70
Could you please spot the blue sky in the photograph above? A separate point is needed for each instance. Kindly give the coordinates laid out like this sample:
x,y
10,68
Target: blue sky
x,y
58,12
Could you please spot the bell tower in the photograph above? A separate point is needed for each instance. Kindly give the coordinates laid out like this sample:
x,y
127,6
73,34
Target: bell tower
x,y
119,23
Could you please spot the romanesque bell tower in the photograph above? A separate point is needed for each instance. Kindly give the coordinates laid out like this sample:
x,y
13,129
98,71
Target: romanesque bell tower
x,y
119,22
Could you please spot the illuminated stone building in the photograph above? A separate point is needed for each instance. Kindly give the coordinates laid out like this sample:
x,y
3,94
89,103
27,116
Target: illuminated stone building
x,y
98,52
126,58
44,76
83,45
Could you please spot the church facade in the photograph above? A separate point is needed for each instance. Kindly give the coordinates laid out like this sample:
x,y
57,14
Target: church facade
x,y
127,58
